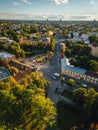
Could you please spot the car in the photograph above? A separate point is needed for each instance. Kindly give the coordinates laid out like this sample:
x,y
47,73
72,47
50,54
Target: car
x,y
84,85
56,74
53,77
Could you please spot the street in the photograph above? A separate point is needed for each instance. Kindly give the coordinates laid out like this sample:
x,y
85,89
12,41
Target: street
x,y
48,71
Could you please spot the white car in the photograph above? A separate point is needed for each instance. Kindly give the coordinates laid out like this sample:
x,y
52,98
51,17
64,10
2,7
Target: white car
x,y
53,77
56,74
84,85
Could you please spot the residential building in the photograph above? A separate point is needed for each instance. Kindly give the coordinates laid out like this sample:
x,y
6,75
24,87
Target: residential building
x,y
4,73
76,72
6,40
23,70
5,57
62,47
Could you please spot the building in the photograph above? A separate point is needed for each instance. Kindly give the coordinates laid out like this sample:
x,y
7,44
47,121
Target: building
x,y
25,40
62,47
6,40
23,70
69,69
46,40
4,73
5,57
76,72
50,33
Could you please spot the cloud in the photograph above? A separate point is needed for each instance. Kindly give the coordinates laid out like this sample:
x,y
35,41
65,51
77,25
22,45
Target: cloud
x,y
16,3
31,16
82,17
92,2
27,2
60,1
12,16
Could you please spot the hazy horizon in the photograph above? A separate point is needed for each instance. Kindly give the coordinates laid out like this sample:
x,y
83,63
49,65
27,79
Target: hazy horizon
x,y
67,10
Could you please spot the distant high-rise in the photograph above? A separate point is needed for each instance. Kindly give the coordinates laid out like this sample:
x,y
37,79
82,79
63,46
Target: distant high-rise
x,y
60,21
47,20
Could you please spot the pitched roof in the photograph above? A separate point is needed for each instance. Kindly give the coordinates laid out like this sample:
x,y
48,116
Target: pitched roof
x,y
5,55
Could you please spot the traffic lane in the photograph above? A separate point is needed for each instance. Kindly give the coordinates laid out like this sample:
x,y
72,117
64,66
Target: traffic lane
x,y
55,60
49,72
52,88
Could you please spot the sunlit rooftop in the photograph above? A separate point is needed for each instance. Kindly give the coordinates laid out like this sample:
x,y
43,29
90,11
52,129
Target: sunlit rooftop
x,y
71,68
5,55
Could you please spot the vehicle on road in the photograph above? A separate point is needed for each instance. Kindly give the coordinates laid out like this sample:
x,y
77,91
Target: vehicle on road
x,y
53,77
84,85
56,74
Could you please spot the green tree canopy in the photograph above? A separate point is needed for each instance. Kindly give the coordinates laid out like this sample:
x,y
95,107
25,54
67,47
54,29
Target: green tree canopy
x,y
93,65
71,82
25,106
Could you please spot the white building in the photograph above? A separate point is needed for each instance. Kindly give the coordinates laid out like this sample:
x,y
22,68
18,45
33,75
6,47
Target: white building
x,y
76,72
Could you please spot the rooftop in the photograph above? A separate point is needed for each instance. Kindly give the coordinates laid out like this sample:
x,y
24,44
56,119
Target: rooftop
x,y
5,55
71,68
4,73
62,43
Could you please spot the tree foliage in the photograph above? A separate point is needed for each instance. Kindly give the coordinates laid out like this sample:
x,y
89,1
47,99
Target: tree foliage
x,y
25,106
89,100
81,57
71,82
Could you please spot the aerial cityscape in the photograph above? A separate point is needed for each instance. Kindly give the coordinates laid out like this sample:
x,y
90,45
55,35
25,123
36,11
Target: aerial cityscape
x,y
48,65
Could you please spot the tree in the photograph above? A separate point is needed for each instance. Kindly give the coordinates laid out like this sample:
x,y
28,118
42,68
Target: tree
x,y
88,99
43,113
13,81
68,52
4,46
25,106
79,49
94,110
79,95
71,82
6,112
62,79
84,61
52,45
34,29
92,38
74,61
93,65
5,34
50,54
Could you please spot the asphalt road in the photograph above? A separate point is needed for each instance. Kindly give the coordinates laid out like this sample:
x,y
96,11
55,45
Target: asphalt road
x,y
48,70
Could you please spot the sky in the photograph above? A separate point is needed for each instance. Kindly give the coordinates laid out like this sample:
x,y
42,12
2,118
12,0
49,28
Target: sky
x,y
49,9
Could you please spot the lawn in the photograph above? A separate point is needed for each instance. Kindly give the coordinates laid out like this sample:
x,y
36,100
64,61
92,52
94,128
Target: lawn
x,y
68,118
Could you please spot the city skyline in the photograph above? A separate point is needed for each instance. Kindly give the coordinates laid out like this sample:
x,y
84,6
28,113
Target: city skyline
x,y
49,9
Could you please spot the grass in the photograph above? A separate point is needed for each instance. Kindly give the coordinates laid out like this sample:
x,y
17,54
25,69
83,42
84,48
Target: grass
x,y
68,94
68,117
